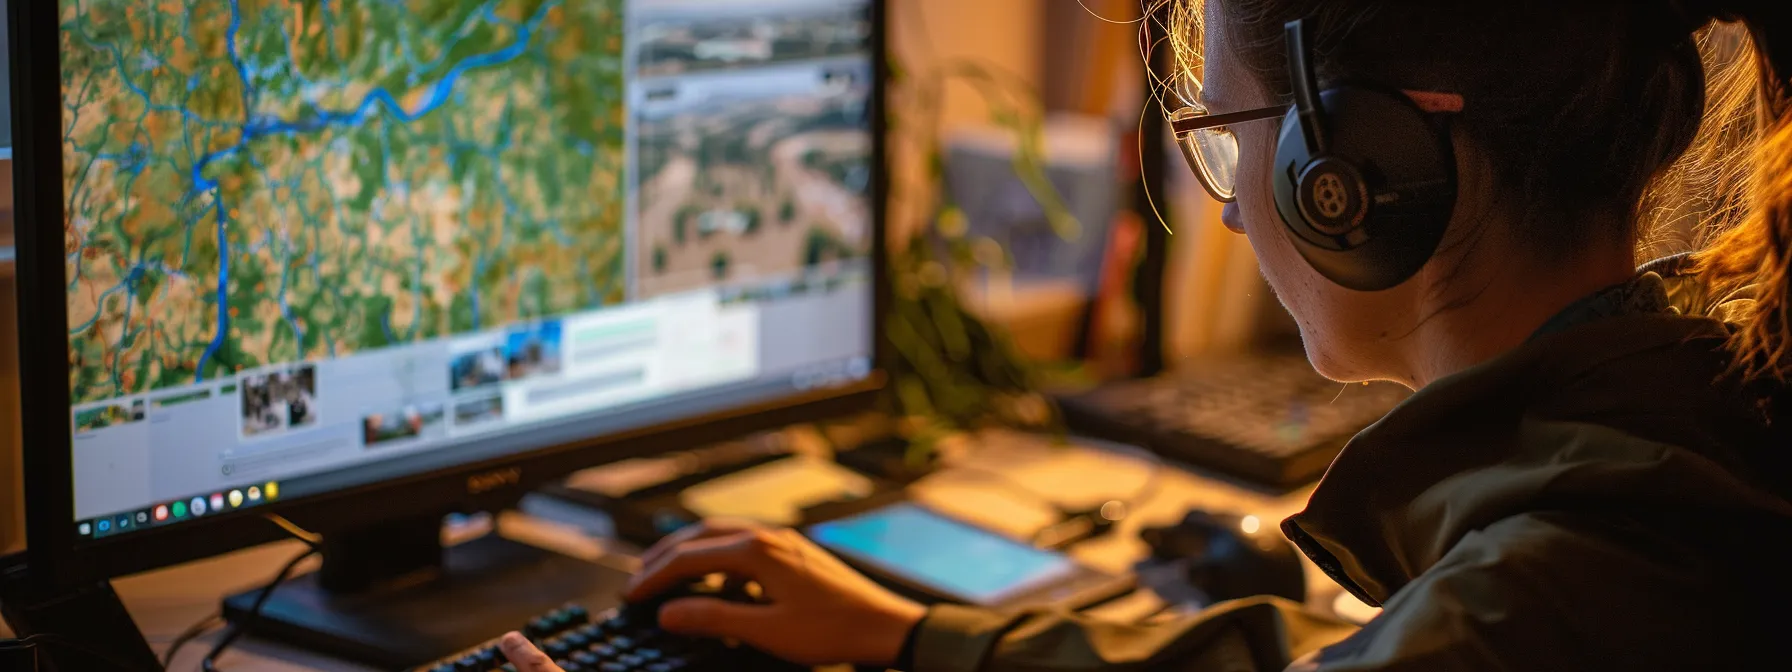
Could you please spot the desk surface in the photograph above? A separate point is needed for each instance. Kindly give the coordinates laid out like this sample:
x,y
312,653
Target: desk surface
x,y
166,602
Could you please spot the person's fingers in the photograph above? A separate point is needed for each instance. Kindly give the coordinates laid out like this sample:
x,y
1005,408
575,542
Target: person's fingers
x,y
524,655
707,529
710,617
741,554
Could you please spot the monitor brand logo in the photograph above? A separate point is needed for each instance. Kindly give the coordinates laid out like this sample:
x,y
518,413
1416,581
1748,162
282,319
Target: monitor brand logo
x,y
479,484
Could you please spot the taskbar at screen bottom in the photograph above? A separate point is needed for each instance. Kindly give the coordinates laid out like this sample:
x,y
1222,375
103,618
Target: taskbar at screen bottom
x,y
833,375
180,510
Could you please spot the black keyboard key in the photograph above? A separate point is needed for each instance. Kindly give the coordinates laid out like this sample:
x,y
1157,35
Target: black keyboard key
x,y
488,656
564,619
650,637
578,643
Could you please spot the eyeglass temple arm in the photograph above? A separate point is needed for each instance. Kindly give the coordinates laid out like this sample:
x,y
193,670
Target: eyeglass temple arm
x,y
1205,121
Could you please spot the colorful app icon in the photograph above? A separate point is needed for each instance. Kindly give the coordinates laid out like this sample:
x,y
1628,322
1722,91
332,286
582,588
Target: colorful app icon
x,y
105,525
86,529
142,518
197,506
161,512
236,498
218,501
254,494
180,509
123,522
272,490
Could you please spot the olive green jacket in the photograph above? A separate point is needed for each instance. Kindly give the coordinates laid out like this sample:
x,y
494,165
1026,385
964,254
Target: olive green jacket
x,y
1602,497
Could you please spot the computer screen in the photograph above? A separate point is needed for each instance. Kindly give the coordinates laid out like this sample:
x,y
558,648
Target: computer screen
x,y
316,245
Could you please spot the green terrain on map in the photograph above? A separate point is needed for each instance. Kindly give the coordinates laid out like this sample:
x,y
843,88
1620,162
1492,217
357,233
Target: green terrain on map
x,y
252,182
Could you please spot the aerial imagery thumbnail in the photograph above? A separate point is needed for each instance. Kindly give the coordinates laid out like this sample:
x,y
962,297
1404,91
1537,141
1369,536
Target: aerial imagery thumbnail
x,y
709,37
255,182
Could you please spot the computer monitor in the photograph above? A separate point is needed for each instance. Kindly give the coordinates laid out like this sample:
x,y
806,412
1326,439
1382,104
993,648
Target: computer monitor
x,y
363,264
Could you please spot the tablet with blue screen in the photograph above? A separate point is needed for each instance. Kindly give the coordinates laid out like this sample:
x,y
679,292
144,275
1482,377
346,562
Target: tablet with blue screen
x,y
952,561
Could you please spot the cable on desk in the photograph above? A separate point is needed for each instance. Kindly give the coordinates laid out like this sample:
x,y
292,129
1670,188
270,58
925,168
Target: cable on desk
x,y
209,664
187,636
313,546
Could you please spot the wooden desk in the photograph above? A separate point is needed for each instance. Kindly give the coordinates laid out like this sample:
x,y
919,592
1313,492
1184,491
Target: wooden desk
x,y
168,601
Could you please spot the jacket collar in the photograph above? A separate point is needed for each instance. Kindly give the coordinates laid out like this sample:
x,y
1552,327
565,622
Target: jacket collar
x,y
1573,418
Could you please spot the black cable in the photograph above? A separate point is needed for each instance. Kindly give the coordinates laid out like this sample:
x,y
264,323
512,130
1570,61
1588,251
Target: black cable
x,y
313,545
187,636
209,664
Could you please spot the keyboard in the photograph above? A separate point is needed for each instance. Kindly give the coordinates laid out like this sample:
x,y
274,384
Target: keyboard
x,y
625,639
1269,419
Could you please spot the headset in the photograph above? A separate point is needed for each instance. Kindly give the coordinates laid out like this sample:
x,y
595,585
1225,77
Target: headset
x,y
1365,176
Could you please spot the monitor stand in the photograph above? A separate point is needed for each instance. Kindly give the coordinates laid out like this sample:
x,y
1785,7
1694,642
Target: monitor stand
x,y
394,597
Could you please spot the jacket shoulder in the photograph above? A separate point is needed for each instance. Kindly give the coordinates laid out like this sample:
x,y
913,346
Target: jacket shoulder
x,y
1562,590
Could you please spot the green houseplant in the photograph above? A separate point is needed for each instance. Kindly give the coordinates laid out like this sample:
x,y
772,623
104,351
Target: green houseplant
x,y
952,370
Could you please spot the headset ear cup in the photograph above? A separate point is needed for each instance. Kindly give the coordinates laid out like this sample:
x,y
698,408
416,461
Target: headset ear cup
x,y
1369,212
1333,198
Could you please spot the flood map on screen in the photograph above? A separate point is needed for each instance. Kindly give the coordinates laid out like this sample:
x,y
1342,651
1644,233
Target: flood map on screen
x,y
251,182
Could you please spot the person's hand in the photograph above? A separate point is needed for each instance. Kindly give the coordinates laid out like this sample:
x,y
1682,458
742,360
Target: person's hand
x,y
817,611
524,655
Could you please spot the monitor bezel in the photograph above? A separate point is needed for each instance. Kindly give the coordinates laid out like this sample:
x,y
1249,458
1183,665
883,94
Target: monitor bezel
x,y
58,555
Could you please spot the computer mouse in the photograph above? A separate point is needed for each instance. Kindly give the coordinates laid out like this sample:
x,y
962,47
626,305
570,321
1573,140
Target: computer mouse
x,y
647,611
1226,556
641,619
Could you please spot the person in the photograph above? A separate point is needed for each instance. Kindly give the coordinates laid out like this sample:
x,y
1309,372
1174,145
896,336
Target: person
x,y
1589,474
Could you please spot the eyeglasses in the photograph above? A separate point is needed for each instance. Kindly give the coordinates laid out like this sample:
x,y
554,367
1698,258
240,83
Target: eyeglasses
x,y
1210,147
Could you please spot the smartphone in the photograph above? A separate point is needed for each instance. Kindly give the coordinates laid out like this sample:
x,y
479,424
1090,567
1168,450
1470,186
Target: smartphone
x,y
936,558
